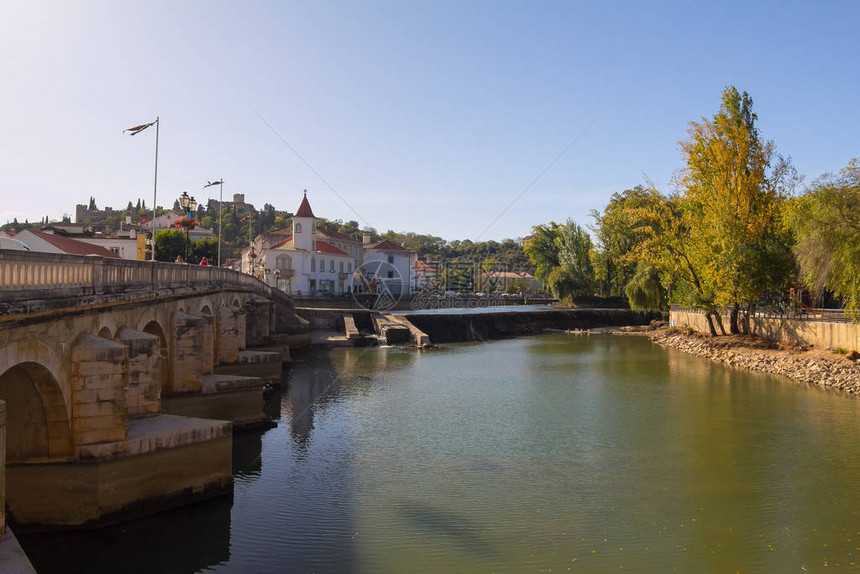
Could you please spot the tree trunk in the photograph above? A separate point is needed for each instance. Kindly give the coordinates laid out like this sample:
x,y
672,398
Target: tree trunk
x,y
711,324
733,320
719,319
745,326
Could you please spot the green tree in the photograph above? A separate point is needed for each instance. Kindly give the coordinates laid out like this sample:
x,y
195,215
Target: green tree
x,y
668,245
574,256
645,290
826,223
168,244
542,250
734,185
207,248
616,237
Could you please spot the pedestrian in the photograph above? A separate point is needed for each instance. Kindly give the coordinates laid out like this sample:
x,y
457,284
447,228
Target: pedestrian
x,y
204,262
179,259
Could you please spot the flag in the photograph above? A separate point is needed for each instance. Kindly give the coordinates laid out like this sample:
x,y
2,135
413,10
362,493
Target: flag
x,y
246,218
137,129
211,183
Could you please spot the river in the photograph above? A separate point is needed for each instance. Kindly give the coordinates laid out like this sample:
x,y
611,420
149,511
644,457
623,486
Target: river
x,y
546,453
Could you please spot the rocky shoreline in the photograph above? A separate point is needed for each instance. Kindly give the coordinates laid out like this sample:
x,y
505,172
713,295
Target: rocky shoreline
x,y
807,365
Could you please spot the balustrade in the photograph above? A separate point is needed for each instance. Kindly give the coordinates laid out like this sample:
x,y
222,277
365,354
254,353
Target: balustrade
x,y
29,275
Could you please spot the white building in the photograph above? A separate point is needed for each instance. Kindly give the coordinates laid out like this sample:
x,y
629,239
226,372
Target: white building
x,y
167,219
309,261
387,266
42,242
424,276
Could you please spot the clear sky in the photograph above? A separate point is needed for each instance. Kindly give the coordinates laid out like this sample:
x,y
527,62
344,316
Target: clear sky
x,y
423,116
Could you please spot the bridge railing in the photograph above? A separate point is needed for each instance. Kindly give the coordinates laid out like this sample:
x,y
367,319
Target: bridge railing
x,y
31,275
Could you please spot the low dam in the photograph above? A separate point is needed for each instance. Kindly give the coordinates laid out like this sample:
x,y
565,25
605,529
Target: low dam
x,y
452,327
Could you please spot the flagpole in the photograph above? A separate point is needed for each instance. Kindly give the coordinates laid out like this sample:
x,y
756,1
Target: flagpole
x,y
155,186
220,211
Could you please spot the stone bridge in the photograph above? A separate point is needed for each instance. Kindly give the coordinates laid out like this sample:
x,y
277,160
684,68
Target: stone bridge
x,y
91,349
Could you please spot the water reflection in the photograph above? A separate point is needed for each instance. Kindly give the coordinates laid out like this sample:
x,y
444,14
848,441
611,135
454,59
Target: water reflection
x,y
535,454
247,453
180,541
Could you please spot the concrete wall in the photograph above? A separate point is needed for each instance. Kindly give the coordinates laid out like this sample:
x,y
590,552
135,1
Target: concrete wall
x,y
75,494
449,328
793,331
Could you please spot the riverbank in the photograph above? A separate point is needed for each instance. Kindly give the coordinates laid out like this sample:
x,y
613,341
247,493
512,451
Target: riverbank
x,y
804,364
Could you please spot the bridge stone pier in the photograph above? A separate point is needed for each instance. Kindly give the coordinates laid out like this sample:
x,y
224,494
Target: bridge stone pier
x,y
99,361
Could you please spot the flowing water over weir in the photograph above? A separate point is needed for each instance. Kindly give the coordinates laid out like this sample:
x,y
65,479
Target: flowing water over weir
x,y
543,453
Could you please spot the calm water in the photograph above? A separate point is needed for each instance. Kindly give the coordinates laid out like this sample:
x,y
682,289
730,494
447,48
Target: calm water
x,y
548,453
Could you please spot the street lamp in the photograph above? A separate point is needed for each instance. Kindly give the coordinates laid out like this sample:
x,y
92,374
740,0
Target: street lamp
x,y
219,183
188,205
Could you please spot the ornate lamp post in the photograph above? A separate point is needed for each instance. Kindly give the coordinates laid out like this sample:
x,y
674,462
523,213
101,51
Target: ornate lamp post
x,y
189,205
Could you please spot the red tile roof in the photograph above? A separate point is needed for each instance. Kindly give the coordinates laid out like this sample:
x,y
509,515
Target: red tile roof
x,y
304,208
508,275
422,266
73,246
289,239
385,246
323,247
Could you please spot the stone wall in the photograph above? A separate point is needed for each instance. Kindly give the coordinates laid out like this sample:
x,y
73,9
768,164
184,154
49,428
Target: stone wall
x,y
792,331
98,375
2,469
143,392
449,328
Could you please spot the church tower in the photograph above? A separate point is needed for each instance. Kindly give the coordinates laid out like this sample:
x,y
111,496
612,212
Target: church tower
x,y
304,227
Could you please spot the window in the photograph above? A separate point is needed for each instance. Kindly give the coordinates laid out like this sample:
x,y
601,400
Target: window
x,y
313,285
391,274
322,265
298,228
114,250
341,266
331,266
350,266
313,264
391,259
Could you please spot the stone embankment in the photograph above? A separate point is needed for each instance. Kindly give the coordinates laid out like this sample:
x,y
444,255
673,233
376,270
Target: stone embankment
x,y
808,365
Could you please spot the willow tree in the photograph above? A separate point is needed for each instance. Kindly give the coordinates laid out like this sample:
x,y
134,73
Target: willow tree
x,y
542,249
664,222
733,186
826,222
615,238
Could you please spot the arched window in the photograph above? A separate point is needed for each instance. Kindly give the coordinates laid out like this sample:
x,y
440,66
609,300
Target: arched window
x,y
298,228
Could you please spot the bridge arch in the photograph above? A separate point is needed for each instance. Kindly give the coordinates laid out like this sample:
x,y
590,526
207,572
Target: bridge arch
x,y
106,326
153,327
207,306
36,390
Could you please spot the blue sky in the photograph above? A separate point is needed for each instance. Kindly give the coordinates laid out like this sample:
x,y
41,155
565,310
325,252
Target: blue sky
x,y
423,116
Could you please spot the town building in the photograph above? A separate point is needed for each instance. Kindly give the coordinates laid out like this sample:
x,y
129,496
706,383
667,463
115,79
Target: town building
x,y
42,242
387,265
424,276
310,259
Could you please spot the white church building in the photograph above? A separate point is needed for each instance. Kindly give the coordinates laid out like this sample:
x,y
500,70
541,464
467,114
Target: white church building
x,y
315,261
